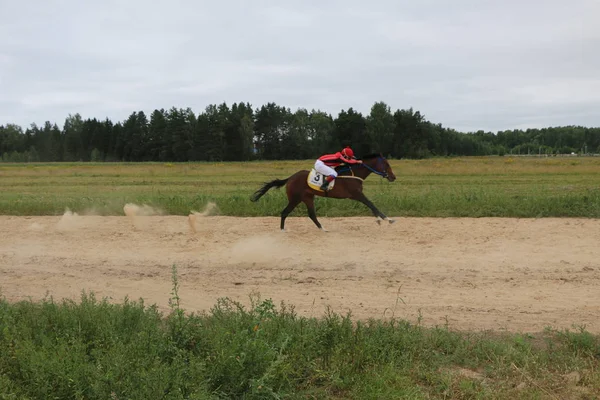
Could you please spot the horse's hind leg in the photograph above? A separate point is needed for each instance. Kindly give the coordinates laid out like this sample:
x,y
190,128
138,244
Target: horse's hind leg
x,y
309,200
293,201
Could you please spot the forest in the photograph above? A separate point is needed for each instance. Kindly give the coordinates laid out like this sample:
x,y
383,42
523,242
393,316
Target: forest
x,y
238,132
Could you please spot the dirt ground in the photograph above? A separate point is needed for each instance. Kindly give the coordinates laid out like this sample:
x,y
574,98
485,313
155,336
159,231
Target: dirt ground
x,y
472,274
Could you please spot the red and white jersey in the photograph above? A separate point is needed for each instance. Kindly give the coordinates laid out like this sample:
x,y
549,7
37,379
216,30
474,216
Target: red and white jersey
x,y
336,159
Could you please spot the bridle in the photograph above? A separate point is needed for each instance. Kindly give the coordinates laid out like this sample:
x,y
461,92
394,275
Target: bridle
x,y
382,174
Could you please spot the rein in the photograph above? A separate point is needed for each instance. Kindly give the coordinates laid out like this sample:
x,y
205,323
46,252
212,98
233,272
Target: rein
x,y
350,177
382,174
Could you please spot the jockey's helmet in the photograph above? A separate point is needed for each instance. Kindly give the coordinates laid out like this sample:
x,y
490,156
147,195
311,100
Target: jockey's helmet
x,y
347,152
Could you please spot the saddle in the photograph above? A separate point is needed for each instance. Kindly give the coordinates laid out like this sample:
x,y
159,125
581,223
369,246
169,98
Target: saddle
x,y
315,180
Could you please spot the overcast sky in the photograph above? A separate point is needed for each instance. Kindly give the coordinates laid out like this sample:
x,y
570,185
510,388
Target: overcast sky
x,y
468,64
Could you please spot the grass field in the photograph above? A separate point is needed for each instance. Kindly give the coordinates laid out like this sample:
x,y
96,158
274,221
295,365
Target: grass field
x,y
98,350
452,187
94,349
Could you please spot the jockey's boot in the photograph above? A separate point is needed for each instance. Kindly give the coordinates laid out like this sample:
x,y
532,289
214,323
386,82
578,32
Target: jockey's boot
x,y
326,181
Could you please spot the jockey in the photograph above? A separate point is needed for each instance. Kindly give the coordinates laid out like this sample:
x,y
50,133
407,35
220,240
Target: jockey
x,y
326,164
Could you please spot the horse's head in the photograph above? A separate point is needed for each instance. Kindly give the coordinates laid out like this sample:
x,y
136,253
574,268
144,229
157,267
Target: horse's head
x,y
379,165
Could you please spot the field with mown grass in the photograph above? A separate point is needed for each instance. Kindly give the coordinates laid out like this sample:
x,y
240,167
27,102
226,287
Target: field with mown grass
x,y
441,187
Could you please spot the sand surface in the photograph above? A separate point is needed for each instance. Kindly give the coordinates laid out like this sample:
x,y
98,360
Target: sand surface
x,y
472,274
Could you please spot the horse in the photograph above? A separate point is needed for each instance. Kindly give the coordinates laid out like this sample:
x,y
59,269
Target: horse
x,y
347,185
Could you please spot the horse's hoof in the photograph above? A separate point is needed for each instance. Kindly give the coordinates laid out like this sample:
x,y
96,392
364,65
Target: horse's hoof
x,y
283,230
323,229
391,221
378,221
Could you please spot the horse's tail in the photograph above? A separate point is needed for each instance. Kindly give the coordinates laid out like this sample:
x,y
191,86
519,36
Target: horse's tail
x,y
275,183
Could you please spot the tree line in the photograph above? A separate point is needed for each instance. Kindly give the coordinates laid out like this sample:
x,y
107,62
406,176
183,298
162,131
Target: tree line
x,y
273,132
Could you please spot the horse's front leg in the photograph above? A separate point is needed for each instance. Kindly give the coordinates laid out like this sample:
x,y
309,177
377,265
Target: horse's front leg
x,y
380,216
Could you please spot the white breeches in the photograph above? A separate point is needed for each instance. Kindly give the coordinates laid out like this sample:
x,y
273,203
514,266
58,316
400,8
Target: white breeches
x,y
324,169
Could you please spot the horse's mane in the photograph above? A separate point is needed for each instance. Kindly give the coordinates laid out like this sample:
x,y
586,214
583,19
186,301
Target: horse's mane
x,y
369,156
346,167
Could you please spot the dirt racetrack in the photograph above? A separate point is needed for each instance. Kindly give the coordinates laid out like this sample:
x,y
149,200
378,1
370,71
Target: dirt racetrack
x,y
474,274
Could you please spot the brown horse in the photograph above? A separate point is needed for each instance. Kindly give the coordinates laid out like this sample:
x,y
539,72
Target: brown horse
x,y
347,185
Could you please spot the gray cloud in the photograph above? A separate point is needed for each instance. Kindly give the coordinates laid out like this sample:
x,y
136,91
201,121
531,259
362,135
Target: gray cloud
x,y
468,64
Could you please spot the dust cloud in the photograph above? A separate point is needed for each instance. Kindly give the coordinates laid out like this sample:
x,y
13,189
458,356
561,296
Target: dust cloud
x,y
69,221
210,209
138,214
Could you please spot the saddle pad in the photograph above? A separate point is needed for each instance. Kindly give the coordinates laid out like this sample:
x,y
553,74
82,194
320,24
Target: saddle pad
x,y
315,180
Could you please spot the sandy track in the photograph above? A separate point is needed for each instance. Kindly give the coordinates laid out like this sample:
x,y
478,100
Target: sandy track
x,y
488,273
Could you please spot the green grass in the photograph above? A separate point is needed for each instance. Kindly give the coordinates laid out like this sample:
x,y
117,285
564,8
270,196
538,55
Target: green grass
x,y
100,350
449,187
